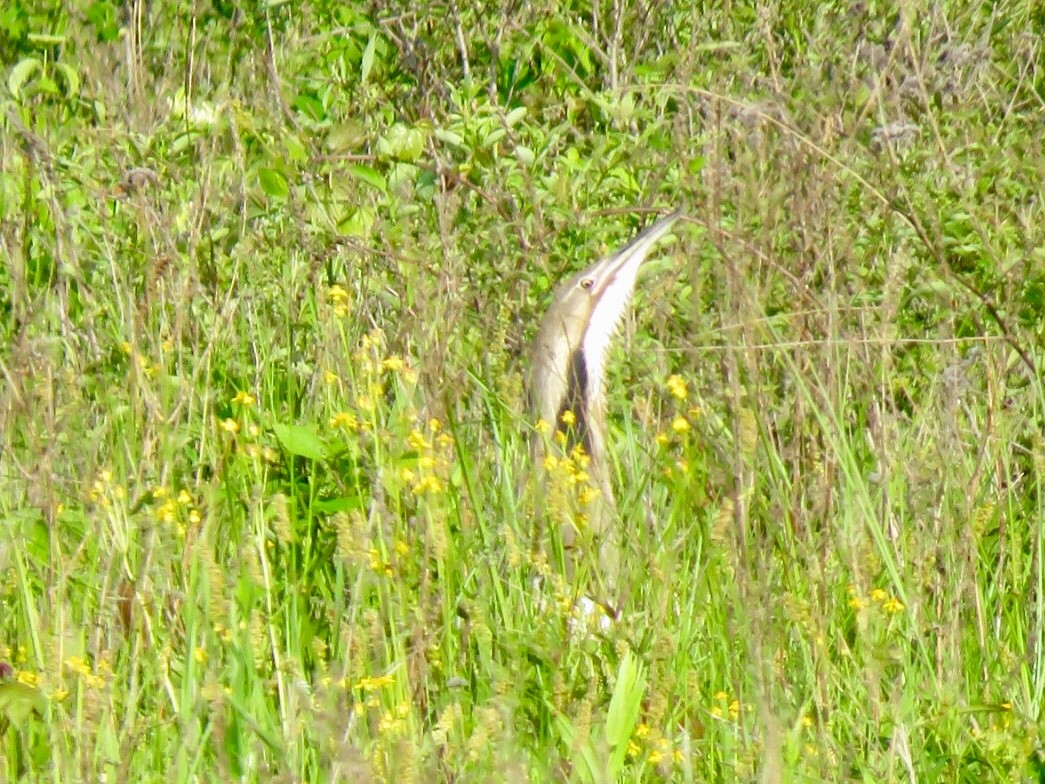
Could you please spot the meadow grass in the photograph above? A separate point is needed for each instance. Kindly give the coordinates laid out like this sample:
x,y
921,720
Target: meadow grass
x,y
267,505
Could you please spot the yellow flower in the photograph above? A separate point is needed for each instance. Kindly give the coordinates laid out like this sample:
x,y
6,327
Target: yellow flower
x,y
244,399
677,387
78,665
339,300
167,512
878,595
330,377
428,484
230,426
393,363
542,427
416,440
892,606
184,498
568,418
344,421
858,602
375,684
680,424
587,495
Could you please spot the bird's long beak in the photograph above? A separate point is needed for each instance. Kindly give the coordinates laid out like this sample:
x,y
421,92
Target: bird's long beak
x,y
625,262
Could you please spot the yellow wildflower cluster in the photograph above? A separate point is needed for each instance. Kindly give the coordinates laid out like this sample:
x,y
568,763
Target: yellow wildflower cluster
x,y
434,448
677,387
725,708
339,300
95,678
372,359
650,745
888,603
681,423
374,369
393,721
370,691
367,685
176,510
378,563
568,476
105,491
344,420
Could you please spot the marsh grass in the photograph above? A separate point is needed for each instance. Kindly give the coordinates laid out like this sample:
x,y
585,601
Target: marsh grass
x,y
266,506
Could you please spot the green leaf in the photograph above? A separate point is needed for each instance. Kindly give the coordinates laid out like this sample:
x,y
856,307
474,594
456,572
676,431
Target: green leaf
x,y
402,142
21,74
19,700
273,183
368,175
494,136
514,116
334,505
301,441
349,135
71,79
623,712
448,137
368,58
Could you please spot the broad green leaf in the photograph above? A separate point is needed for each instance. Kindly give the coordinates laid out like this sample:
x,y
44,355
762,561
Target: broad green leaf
x,y
402,142
357,224
449,137
301,441
19,700
349,135
514,116
494,136
71,79
368,175
21,74
273,183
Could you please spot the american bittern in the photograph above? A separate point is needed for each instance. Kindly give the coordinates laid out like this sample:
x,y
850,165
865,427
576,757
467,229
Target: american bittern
x,y
569,362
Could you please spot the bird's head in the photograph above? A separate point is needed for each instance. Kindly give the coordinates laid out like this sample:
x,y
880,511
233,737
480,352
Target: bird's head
x,y
570,350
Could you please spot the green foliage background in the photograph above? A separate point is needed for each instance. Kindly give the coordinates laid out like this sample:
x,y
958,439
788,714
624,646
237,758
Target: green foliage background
x,y
269,274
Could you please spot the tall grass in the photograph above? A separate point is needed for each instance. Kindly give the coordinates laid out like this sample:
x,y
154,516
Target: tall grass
x,y
267,507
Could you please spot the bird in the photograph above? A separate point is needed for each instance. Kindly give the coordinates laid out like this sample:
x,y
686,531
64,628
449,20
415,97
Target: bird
x,y
566,386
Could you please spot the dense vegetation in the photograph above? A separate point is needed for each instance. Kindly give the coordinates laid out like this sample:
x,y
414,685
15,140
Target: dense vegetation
x,y
269,273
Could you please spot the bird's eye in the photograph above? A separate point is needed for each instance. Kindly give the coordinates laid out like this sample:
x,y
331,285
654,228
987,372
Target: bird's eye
x,y
587,283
